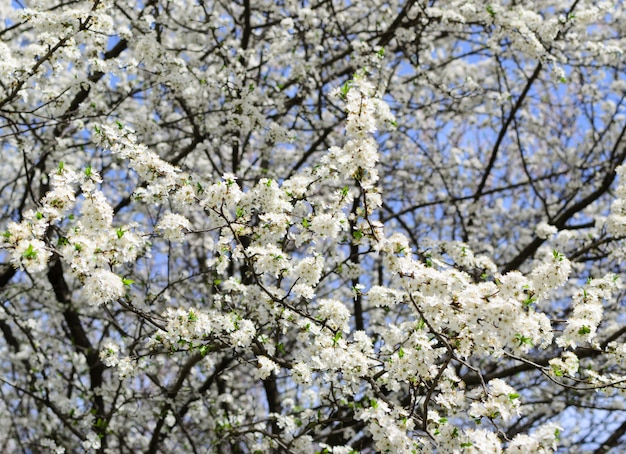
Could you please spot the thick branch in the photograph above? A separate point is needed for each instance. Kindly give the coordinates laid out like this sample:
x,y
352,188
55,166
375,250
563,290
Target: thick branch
x,y
81,343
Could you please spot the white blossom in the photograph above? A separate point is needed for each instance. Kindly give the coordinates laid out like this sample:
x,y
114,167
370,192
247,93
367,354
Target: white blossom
x,y
545,230
30,254
102,287
334,314
91,442
502,402
172,226
265,367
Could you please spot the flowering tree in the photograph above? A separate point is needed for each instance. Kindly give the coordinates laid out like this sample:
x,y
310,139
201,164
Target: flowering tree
x,y
326,226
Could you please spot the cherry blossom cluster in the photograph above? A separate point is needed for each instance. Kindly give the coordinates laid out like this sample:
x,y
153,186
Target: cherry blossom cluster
x,y
89,243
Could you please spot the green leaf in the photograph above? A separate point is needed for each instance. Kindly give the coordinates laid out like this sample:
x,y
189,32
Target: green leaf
x,y
521,339
128,282
556,370
345,88
584,330
30,252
